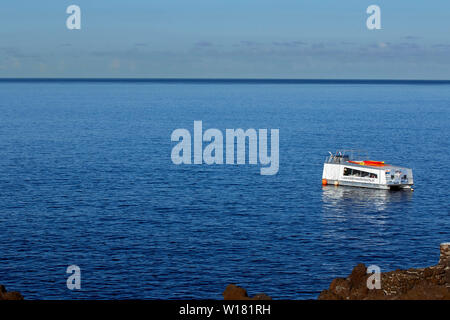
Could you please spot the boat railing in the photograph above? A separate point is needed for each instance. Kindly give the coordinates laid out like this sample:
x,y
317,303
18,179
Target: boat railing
x,y
345,155
336,159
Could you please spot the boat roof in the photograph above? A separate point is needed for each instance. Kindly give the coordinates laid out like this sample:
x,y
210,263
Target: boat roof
x,y
353,157
384,167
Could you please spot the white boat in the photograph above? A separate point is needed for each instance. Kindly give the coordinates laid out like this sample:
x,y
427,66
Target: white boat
x,y
349,168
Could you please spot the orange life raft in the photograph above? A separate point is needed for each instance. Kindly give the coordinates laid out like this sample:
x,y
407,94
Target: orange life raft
x,y
370,163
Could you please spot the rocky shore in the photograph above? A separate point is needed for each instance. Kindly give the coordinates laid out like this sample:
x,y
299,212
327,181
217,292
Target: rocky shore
x,y
5,295
431,283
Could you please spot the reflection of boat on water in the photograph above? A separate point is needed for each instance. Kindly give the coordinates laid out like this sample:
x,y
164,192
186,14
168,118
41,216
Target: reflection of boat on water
x,y
364,195
348,198
360,214
349,168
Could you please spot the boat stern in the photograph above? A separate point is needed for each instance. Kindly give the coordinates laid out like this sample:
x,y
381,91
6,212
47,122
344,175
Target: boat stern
x,y
399,178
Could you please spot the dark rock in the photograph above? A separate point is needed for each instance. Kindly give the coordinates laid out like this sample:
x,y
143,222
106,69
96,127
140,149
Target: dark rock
x,y
233,292
4,295
358,275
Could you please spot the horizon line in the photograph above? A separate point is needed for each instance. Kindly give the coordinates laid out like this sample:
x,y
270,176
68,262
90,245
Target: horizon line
x,y
232,80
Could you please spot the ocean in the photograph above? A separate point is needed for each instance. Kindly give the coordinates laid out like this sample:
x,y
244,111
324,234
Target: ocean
x,y
86,179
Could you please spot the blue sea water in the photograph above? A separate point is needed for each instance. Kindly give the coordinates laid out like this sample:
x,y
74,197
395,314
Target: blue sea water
x,y
86,178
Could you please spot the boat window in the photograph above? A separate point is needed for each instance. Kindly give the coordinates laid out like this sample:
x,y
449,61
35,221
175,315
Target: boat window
x,y
359,173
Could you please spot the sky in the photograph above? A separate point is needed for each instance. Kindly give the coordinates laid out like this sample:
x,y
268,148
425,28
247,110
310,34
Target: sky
x,y
307,39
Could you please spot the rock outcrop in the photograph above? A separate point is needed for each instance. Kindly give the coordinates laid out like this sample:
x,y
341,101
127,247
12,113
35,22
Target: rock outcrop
x,y
4,295
432,283
233,292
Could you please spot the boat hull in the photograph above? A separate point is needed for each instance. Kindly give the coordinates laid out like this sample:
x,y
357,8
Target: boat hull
x,y
367,185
